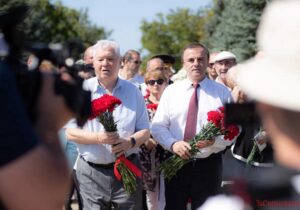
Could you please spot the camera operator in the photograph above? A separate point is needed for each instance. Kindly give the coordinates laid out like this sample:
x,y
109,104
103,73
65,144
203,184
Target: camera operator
x,y
34,106
33,170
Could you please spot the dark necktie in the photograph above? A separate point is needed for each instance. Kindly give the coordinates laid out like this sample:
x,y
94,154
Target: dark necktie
x,y
191,120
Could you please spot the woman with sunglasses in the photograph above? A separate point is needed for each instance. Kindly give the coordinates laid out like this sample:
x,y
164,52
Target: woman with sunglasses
x,y
151,154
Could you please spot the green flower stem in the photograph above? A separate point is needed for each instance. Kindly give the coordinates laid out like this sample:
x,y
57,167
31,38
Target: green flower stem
x,y
252,153
171,166
128,178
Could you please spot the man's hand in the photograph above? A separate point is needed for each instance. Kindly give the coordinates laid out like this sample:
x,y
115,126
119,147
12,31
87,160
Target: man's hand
x,y
205,143
107,137
150,144
182,148
122,145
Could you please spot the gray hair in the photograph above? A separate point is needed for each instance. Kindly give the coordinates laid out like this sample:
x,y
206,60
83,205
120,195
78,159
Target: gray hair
x,y
106,44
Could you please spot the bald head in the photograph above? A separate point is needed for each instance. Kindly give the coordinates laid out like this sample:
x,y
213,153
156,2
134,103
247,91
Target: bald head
x,y
88,55
155,64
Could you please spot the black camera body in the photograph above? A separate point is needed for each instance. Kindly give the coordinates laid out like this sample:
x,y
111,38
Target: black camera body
x,y
241,114
29,81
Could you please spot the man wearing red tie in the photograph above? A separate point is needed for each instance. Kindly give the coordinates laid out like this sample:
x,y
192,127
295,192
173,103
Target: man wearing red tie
x,y
181,114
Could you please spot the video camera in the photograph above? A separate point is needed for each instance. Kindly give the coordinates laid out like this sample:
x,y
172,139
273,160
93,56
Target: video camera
x,y
29,80
241,114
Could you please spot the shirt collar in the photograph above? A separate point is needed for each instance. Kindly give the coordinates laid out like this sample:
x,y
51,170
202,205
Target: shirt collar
x,y
188,84
96,85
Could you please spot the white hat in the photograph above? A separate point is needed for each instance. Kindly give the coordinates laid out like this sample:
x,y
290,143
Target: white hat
x,y
224,55
274,77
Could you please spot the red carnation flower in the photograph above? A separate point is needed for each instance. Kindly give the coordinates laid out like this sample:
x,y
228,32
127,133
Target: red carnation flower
x,y
152,106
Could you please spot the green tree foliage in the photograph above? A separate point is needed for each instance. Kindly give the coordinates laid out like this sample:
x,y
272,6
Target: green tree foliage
x,y
236,27
212,19
53,22
171,33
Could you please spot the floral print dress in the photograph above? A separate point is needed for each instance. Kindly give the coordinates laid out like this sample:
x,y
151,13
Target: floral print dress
x,y
150,159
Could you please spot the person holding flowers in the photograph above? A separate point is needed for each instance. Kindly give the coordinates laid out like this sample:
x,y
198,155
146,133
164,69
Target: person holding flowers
x,y
181,114
108,168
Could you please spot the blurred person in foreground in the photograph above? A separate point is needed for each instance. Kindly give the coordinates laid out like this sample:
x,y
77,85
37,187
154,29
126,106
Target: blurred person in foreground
x,y
201,177
98,149
33,170
273,81
252,152
151,153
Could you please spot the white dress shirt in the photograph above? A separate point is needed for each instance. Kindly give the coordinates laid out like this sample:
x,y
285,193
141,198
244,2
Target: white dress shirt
x,y
131,116
168,124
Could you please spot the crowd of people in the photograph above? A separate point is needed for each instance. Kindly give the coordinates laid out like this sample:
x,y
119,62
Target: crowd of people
x,y
158,114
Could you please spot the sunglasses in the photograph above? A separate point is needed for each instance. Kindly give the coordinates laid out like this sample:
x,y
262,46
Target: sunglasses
x,y
136,62
152,82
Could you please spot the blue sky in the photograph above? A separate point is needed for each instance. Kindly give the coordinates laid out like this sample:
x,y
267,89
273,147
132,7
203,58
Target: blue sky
x,y
124,16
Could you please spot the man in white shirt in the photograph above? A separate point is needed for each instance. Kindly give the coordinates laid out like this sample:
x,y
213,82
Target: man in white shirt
x,y
98,149
201,177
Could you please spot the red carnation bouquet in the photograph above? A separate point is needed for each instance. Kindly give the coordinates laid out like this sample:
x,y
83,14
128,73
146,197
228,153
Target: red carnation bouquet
x,y
125,170
213,128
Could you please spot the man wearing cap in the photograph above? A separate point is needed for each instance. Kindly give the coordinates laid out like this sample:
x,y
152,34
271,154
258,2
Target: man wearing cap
x,y
222,62
173,126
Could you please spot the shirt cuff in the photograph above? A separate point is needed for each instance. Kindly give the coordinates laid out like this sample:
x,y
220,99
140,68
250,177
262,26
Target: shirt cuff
x,y
169,143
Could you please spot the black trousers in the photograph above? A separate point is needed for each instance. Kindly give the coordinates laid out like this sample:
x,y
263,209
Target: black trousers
x,y
197,180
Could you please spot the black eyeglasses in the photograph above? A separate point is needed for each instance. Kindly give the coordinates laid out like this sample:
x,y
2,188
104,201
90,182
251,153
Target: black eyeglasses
x,y
158,81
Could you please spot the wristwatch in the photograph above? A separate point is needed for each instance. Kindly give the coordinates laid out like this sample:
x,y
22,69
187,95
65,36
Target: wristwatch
x,y
133,142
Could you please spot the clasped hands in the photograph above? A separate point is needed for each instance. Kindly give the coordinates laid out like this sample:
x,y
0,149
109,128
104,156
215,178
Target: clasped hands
x,y
119,145
182,148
